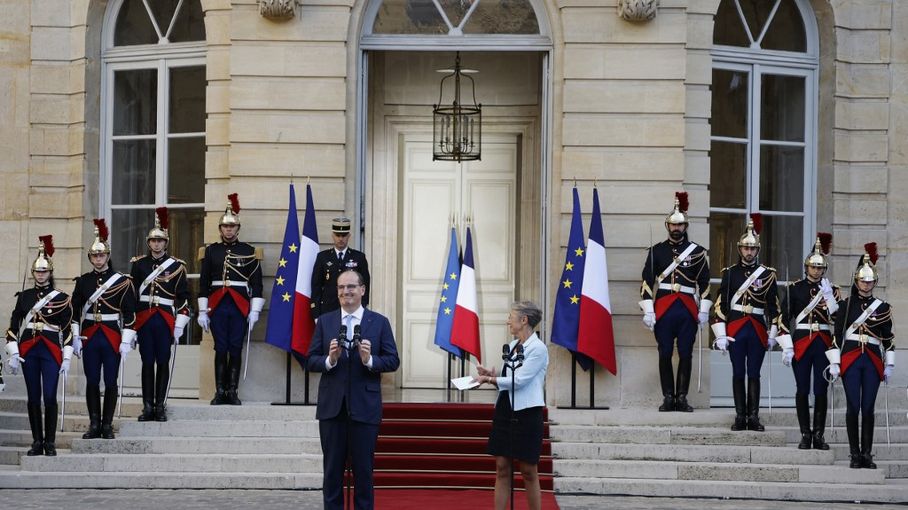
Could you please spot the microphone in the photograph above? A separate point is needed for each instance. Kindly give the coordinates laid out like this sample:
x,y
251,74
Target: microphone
x,y
342,337
519,349
357,338
505,353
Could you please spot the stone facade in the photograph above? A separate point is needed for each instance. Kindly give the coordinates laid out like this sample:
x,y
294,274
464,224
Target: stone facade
x,y
631,110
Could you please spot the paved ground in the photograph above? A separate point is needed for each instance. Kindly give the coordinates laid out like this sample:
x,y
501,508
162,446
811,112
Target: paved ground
x,y
135,499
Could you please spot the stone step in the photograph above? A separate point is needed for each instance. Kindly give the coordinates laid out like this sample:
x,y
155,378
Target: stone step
x,y
661,470
156,480
692,453
888,492
73,423
23,438
664,435
840,434
174,462
717,417
197,445
232,429
248,411
75,405
9,455
896,452
892,469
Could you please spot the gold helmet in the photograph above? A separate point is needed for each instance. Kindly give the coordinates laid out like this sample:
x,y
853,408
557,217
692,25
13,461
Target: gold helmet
x,y
817,257
100,244
45,251
231,215
678,216
161,224
751,236
866,270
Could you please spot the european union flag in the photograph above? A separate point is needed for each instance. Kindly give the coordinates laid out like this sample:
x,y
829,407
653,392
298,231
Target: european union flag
x,y
448,300
280,314
566,320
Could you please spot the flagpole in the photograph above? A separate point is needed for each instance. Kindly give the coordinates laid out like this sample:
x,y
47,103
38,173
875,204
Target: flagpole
x,y
573,380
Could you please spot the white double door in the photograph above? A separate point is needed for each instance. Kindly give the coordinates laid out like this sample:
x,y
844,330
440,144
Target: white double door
x,y
434,194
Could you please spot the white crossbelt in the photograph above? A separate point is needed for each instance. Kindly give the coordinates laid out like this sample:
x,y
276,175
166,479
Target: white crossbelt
x,y
864,339
102,317
747,309
814,327
677,287
42,326
229,283
156,301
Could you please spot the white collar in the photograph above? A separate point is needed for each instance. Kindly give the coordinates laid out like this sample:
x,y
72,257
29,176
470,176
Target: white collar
x,y
358,314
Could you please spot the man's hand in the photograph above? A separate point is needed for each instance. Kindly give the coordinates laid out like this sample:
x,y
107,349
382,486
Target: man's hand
x,y
334,352
365,351
485,371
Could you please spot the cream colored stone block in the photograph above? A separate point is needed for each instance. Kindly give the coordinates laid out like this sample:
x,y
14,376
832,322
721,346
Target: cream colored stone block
x,y
861,211
697,134
861,114
13,149
624,130
288,127
696,167
285,160
625,198
67,233
11,237
54,43
51,13
14,197
898,133
866,14
53,203
14,49
899,33
602,25
50,171
14,20
217,97
288,93
50,78
215,5
861,146
623,96
55,109
313,23
587,163
289,59
698,101
699,68
217,129
217,162
862,80
624,62
218,27
700,29
709,7
217,64
858,178
55,140
862,46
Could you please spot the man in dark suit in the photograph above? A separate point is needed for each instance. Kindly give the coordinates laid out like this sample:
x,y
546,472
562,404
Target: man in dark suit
x,y
349,392
330,263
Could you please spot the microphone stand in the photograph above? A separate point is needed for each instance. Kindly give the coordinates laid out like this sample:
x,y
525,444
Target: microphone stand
x,y
513,360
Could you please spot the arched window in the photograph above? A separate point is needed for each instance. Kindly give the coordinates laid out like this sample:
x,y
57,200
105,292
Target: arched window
x,y
153,124
763,153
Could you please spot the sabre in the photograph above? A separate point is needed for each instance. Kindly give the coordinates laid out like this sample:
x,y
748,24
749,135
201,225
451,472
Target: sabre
x,y
63,401
770,380
700,357
246,361
831,381
173,362
120,400
888,432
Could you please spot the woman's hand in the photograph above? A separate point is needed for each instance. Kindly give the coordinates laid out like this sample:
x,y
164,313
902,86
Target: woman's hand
x,y
485,371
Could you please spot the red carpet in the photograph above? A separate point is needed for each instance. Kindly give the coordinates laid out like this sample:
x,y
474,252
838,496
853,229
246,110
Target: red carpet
x,y
439,499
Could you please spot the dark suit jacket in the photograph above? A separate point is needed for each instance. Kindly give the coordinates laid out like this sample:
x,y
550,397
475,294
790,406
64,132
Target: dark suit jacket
x,y
350,381
324,278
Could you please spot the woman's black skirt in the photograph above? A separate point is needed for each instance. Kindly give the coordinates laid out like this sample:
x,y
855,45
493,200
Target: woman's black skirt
x,y
525,434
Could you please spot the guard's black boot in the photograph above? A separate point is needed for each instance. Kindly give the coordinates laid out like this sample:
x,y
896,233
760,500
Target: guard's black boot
x,y
34,421
110,407
667,379
163,378
232,397
93,402
819,422
684,368
851,424
147,392
50,430
867,423
220,379
802,405
737,386
753,405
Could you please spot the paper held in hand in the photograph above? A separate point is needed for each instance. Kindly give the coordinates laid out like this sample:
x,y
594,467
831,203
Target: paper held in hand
x,y
464,383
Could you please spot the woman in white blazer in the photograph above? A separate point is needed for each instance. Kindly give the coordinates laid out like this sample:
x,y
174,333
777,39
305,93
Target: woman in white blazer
x,y
522,439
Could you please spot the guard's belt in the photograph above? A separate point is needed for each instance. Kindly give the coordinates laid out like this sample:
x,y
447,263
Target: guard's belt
x,y
749,309
229,283
102,317
42,326
814,327
677,287
156,301
864,339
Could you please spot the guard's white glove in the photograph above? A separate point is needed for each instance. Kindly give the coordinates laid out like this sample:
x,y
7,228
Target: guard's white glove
x,y
722,343
67,359
179,326
834,371
649,313
835,357
773,333
890,365
722,339
77,340
127,341
705,306
203,319
787,356
828,296
255,309
15,361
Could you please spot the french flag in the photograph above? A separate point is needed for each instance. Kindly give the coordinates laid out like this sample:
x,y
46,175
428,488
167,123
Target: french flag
x,y
465,330
595,337
303,322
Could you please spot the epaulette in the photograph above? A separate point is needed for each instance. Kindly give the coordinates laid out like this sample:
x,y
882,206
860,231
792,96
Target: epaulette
x,y
179,260
727,268
202,251
260,254
772,269
17,293
136,258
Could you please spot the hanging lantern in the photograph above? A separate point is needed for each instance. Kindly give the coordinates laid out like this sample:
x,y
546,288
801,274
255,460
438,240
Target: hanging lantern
x,y
457,128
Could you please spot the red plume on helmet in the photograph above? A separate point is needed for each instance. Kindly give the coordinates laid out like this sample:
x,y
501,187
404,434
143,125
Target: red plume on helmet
x,y
683,204
870,248
825,241
234,202
757,218
102,229
163,217
48,242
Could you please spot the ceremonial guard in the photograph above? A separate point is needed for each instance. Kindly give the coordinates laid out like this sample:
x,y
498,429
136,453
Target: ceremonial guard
x,y
812,304
230,292
104,303
330,263
675,302
863,353
39,341
161,316
747,322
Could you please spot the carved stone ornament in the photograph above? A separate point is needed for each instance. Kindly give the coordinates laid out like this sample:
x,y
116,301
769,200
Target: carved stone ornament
x,y
637,10
277,10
